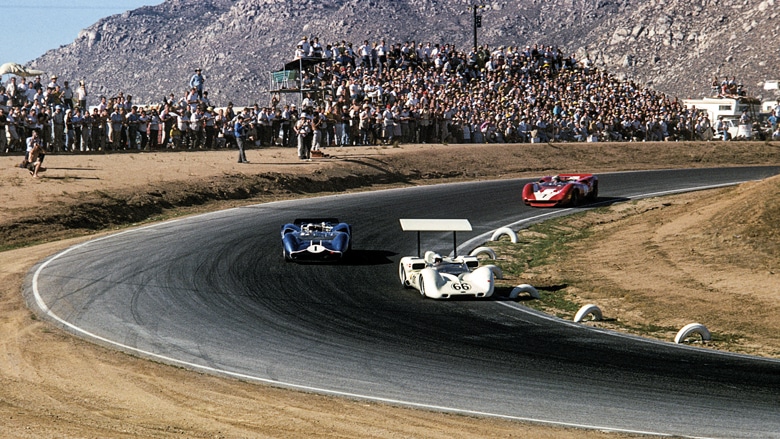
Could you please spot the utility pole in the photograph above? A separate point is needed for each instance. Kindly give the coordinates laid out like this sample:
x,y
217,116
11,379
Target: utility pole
x,y
477,21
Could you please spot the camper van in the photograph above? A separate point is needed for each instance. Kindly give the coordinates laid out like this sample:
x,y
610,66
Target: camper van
x,y
730,109
768,106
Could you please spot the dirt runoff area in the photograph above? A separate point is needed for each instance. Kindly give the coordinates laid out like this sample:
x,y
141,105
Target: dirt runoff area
x,y
718,250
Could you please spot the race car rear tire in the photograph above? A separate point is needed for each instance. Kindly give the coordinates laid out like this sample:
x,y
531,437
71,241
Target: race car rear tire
x,y
575,198
594,194
286,257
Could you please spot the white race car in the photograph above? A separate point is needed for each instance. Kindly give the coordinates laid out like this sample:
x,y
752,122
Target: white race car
x,y
440,277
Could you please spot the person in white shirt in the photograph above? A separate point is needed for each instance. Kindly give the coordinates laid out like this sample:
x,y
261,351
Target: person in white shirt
x,y
328,55
183,126
67,96
305,46
11,90
81,96
193,99
143,129
53,82
381,53
38,97
103,105
299,53
365,54
196,132
307,101
388,124
316,49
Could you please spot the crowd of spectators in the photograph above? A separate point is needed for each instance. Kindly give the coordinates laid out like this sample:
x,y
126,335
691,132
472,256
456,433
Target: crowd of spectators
x,y
370,94
411,92
64,121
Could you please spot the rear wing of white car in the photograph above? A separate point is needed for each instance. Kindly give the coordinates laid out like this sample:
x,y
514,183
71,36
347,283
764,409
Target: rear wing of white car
x,y
436,225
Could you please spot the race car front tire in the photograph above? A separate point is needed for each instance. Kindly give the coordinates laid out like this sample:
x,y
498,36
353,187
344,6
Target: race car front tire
x,y
402,275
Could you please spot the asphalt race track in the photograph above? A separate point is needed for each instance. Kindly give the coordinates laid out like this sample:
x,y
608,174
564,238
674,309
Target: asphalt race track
x,y
212,293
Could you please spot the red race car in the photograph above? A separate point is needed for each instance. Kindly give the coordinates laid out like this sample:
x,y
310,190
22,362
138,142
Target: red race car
x,y
561,190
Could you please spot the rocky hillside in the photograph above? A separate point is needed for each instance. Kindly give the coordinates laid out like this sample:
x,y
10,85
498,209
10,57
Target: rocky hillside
x,y
675,46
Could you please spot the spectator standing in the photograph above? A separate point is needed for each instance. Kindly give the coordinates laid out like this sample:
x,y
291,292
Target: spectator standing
x,y
81,96
83,128
276,125
52,83
316,130
70,131
192,100
286,121
183,128
316,48
66,94
97,130
115,128
58,123
365,123
12,90
209,127
30,93
3,124
133,122
166,119
204,100
239,134
143,129
3,97
302,131
196,82
14,127
196,128
263,126
154,130
101,133
305,46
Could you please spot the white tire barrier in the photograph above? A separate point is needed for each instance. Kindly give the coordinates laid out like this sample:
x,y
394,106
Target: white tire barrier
x,y
483,251
690,329
524,288
497,272
504,231
587,310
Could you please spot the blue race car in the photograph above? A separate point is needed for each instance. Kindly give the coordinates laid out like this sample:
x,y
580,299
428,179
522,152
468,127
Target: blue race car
x,y
316,240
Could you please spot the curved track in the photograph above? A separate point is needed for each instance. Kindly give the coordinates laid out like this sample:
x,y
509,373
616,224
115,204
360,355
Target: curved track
x,y
212,292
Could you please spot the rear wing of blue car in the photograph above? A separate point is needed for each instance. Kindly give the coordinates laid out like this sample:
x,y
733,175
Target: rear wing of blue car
x,y
436,225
